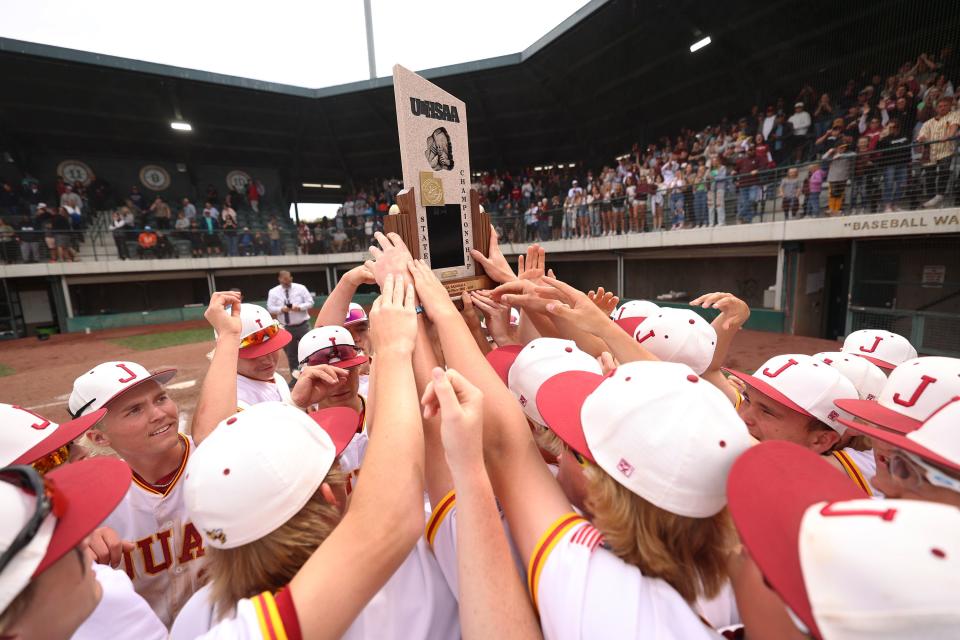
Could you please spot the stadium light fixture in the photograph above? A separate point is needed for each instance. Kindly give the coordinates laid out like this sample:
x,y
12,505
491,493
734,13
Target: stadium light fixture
x,y
699,44
331,186
313,185
179,125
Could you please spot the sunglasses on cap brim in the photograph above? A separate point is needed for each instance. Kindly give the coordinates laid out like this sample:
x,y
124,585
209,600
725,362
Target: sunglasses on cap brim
x,y
52,460
354,316
331,355
261,336
48,500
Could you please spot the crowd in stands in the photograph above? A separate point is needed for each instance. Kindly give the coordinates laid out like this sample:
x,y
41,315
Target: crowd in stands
x,y
880,143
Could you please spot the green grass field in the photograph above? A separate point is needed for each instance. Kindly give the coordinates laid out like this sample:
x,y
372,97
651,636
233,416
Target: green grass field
x,y
5,370
150,341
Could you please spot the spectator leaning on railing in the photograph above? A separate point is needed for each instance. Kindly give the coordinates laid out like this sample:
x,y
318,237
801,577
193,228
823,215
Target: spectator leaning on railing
x,y
942,126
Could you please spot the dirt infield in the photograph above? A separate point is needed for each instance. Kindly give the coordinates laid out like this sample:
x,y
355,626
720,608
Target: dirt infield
x,y
44,371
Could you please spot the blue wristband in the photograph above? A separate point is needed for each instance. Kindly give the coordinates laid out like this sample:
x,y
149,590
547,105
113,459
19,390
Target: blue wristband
x,y
418,308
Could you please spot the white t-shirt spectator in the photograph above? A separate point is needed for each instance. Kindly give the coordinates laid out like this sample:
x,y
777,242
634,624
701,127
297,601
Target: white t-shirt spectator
x,y
801,123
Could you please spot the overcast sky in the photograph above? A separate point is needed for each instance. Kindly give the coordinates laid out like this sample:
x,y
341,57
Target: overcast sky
x,y
308,43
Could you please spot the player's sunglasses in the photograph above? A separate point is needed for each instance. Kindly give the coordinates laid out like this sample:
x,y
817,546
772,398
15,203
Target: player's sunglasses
x,y
49,500
52,460
259,337
331,355
356,315
912,471
583,462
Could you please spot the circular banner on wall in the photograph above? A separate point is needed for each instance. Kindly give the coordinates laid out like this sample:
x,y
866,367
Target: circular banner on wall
x,y
155,178
238,180
75,171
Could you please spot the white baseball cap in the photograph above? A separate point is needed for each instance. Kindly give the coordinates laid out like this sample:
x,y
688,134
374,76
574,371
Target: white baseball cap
x,y
78,497
260,333
26,436
525,370
883,348
240,465
337,345
654,427
355,315
804,384
867,377
678,335
914,390
97,387
937,439
632,313
848,568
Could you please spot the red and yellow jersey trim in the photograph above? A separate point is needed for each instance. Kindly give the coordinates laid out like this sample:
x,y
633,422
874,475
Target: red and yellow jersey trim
x,y
268,617
852,470
544,546
736,405
440,512
140,482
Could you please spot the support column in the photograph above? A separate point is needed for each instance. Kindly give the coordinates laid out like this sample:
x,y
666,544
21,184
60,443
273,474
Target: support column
x,y
67,303
211,283
853,274
620,275
778,287
331,279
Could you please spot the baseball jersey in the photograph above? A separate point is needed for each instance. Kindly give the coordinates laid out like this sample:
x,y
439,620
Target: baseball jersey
x,y
414,603
121,613
168,551
262,617
860,466
352,455
251,392
582,590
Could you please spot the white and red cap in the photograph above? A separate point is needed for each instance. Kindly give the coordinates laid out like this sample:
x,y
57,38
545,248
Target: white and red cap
x,y
355,315
654,427
82,495
914,390
937,439
848,568
326,338
867,377
97,387
525,370
239,466
630,314
678,335
804,384
26,436
255,319
885,349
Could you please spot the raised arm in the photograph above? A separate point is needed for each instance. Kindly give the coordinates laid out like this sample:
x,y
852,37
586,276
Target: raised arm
x,y
386,508
335,307
734,313
493,602
218,395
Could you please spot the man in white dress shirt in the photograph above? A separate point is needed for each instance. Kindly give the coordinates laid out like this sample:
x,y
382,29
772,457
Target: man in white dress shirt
x,y
290,302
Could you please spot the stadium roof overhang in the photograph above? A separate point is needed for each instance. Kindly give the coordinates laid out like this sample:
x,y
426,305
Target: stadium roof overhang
x,y
614,72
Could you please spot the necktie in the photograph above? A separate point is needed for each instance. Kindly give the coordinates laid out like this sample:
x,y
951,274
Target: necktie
x,y
286,315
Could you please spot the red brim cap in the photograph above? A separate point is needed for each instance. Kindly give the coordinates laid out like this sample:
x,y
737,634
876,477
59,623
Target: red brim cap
x,y
90,491
767,390
275,343
630,324
340,423
873,411
502,358
559,402
769,489
351,363
886,366
66,433
900,441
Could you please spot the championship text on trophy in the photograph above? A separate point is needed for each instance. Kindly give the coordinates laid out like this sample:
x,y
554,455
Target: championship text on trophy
x,y
440,218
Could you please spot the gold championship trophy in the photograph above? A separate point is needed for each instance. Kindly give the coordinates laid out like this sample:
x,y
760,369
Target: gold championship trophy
x,y
440,218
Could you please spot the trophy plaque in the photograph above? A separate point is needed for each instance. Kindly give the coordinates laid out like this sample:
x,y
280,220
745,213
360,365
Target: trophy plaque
x,y
439,218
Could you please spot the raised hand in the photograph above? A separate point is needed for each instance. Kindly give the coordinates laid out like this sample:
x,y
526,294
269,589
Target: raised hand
x,y
106,547
495,266
571,304
223,320
393,318
734,312
604,299
433,296
362,274
391,257
497,316
533,266
460,407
